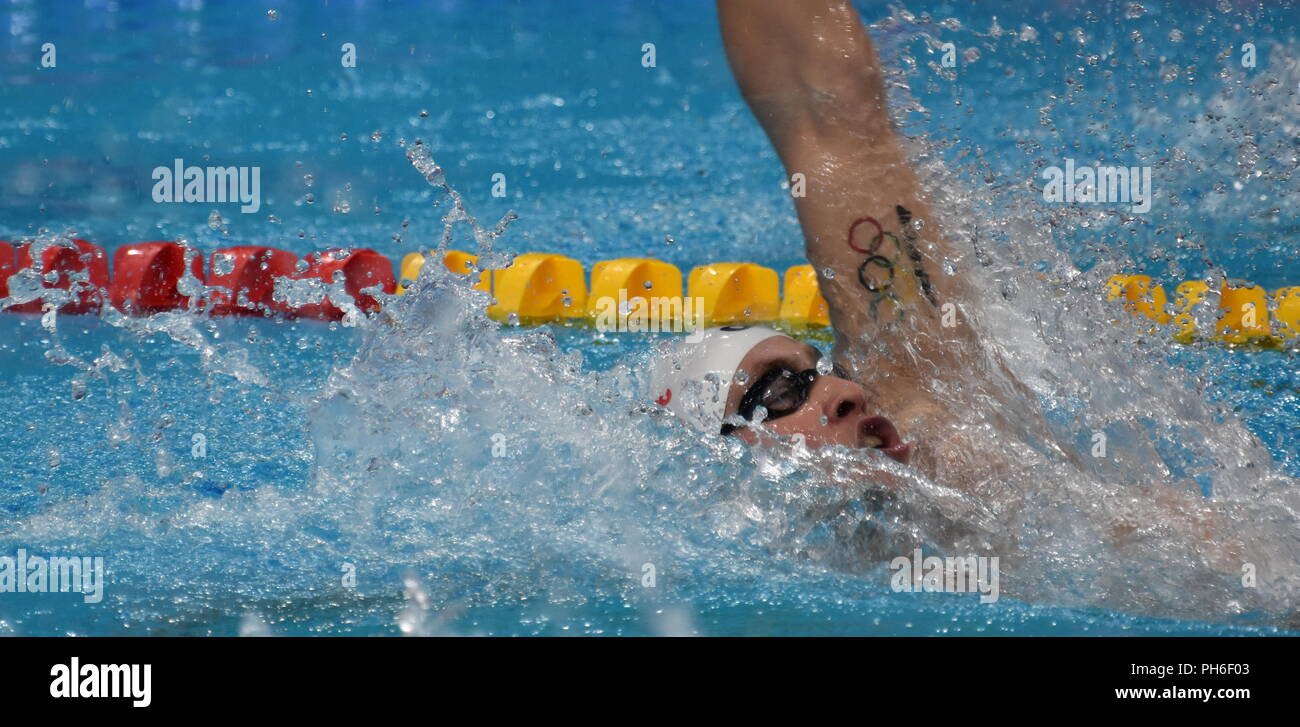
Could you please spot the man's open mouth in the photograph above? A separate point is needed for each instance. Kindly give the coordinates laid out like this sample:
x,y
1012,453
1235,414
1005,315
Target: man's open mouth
x,y
879,433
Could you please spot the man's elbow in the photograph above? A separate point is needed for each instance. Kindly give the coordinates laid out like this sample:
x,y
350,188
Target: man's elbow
x,y
850,101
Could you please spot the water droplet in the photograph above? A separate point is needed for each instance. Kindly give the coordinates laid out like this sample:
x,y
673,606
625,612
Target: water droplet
x,y
214,220
273,14
223,263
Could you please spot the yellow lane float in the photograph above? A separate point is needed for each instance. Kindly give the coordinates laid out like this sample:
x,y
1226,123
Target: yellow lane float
x,y
646,291
1287,313
736,293
1187,295
1243,315
803,304
541,288
1140,296
455,261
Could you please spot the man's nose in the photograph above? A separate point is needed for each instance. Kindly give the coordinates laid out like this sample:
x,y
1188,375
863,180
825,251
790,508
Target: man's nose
x,y
840,398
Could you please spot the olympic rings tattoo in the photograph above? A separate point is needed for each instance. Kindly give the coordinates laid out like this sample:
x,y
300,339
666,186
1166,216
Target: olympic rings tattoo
x,y
875,241
883,289
881,261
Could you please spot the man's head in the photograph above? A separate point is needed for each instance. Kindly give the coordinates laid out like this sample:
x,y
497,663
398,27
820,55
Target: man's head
x,y
755,374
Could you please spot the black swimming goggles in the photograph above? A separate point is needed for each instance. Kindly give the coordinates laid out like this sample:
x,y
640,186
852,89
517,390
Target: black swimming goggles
x,y
780,391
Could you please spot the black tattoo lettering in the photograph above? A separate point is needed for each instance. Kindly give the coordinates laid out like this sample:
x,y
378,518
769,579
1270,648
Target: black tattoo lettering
x,y
918,267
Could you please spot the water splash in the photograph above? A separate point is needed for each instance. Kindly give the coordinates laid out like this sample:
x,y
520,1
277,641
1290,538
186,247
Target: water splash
x,y
463,467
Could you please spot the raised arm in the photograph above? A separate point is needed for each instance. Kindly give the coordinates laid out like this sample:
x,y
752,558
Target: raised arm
x,y
807,69
810,74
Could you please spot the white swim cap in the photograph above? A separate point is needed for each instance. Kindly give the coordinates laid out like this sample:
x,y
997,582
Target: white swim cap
x,y
693,380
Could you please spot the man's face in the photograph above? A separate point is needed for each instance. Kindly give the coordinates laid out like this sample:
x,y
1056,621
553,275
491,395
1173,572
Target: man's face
x,y
834,412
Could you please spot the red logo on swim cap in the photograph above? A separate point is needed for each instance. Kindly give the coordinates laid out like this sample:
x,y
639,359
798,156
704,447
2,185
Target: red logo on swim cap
x,y
667,397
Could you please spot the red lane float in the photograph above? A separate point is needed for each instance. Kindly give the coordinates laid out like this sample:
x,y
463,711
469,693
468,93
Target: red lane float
x,y
241,280
238,280
7,267
64,262
361,268
145,277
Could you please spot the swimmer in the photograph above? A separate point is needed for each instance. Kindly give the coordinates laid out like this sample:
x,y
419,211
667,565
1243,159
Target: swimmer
x,y
909,376
903,359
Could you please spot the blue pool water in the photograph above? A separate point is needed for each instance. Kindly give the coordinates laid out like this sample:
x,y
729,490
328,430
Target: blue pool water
x,y
333,452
